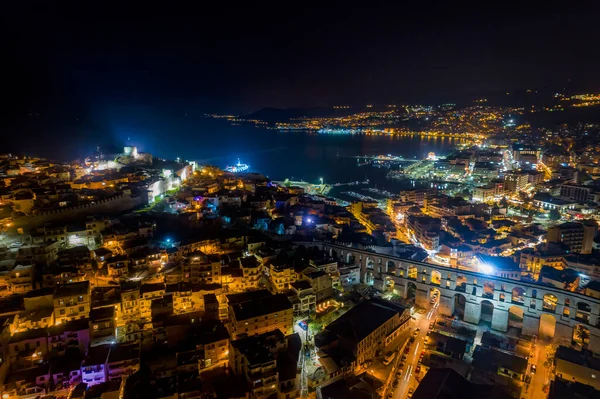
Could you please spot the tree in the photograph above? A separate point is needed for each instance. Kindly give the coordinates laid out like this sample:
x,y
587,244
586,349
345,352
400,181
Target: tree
x,y
582,334
554,214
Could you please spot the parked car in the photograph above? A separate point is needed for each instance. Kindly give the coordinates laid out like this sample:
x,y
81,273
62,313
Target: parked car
x,y
410,393
533,368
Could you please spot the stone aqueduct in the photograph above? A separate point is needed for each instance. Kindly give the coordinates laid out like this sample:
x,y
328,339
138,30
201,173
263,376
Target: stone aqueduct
x,y
546,311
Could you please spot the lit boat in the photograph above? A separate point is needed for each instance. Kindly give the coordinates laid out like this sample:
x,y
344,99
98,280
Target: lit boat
x,y
239,167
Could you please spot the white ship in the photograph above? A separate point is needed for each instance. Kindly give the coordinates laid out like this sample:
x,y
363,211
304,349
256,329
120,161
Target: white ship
x,y
237,168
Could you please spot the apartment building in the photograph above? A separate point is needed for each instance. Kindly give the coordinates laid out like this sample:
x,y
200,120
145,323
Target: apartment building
x,y
364,329
281,275
198,267
268,363
72,301
579,237
425,230
257,312
149,292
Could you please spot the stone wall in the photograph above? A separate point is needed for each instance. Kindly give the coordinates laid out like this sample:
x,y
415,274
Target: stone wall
x,y
119,203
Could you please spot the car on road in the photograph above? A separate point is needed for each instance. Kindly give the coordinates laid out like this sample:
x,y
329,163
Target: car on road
x,y
403,358
431,325
407,350
418,369
399,373
415,333
395,384
410,393
533,368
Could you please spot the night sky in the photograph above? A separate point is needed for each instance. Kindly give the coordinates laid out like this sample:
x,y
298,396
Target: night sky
x,y
95,62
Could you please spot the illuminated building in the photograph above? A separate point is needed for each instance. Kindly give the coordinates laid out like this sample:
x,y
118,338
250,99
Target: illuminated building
x,y
525,153
304,298
148,293
548,202
281,275
515,182
484,194
576,192
267,363
578,236
252,271
532,260
365,328
72,301
198,267
102,326
577,366
426,231
259,312
20,279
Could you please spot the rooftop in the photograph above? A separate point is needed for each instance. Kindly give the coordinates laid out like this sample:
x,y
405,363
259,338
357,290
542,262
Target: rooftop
x,y
446,383
360,321
67,290
263,306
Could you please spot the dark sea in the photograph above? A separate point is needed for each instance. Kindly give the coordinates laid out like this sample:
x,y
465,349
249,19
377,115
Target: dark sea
x,y
279,155
297,155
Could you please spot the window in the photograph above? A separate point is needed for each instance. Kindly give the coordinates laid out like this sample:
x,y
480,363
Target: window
x,y
95,327
567,302
62,311
566,312
61,301
80,299
81,308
